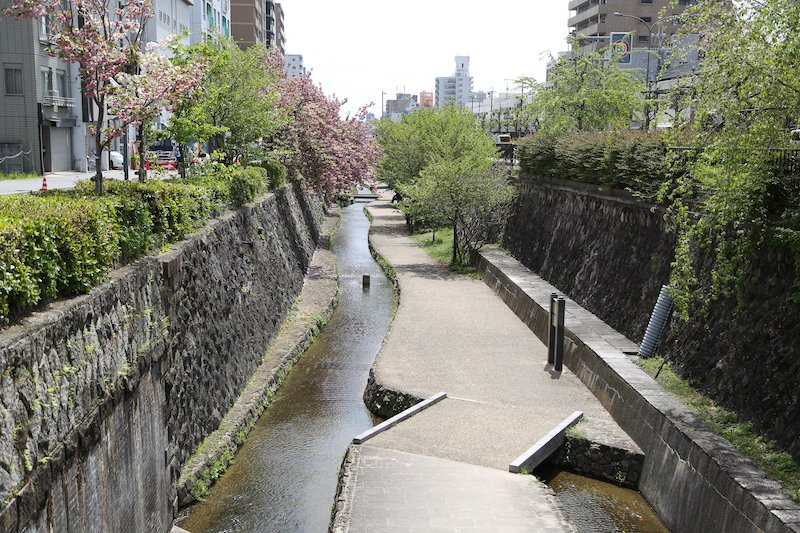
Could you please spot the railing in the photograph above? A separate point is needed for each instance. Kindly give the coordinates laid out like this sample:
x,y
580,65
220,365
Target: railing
x,y
781,161
55,101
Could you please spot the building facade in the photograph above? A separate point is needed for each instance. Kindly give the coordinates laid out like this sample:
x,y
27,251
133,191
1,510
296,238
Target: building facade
x,y
402,104
280,29
595,20
247,22
209,18
294,65
42,119
426,99
455,89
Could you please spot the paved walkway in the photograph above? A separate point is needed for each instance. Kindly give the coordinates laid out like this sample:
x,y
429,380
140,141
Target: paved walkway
x,y
453,334
58,180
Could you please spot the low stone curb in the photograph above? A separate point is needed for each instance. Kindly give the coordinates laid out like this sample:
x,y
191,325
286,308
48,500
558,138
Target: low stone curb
x,y
314,307
345,488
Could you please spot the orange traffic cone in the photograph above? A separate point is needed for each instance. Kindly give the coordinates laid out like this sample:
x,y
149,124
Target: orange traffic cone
x,y
44,183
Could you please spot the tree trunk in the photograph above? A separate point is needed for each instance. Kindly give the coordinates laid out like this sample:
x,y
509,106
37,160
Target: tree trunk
x,y
454,259
98,146
142,142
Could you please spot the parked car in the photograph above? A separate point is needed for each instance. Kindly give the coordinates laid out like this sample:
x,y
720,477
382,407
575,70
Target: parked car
x,y
115,160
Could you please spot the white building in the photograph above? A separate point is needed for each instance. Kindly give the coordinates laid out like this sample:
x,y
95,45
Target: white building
x,y
457,88
293,63
209,17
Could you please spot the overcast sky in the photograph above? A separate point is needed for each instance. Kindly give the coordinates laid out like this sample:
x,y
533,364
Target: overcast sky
x,y
358,48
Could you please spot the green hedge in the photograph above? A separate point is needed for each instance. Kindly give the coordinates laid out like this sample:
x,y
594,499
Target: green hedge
x,y
53,245
629,159
62,243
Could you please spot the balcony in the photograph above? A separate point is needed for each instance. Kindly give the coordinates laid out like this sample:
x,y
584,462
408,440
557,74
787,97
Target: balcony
x,y
583,16
573,4
55,101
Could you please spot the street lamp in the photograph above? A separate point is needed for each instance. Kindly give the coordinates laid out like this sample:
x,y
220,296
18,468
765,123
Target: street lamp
x,y
650,79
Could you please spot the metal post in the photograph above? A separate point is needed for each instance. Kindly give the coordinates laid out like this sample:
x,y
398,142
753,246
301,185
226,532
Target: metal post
x,y
561,305
551,336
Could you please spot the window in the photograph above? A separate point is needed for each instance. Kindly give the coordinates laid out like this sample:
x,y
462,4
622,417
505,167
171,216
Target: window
x,y
647,19
47,81
646,1
644,38
62,83
13,77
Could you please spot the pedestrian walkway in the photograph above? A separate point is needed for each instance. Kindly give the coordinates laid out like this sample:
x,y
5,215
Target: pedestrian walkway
x,y
58,180
453,334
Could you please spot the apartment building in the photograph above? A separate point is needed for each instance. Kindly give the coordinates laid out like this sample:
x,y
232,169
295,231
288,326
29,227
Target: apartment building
x,y
280,29
42,119
596,20
209,17
456,88
293,63
247,22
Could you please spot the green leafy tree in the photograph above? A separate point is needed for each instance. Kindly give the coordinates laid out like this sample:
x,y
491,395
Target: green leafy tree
x,y
736,197
431,136
237,107
584,92
442,162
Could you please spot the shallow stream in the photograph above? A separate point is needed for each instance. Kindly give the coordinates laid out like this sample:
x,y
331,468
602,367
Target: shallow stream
x,y
284,476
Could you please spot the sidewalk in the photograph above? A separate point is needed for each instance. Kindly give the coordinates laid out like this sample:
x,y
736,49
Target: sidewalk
x,y
58,180
453,334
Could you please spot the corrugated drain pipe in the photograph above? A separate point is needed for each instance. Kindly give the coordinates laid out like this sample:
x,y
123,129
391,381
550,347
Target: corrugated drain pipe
x,y
658,323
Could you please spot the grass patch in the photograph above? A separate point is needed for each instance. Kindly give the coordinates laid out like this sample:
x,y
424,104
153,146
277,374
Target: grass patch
x,y
441,249
778,464
19,176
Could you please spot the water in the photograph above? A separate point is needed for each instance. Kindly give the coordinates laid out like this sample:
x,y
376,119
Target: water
x,y
284,477
598,507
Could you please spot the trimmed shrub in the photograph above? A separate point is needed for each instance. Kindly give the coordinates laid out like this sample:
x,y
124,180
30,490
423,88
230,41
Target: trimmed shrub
x,y
176,209
18,284
630,159
246,184
276,173
53,245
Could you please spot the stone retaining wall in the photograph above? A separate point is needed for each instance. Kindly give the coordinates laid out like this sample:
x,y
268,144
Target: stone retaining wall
x,y
105,396
599,461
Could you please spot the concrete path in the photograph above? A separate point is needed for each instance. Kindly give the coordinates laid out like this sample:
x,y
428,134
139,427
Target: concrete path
x,y
453,334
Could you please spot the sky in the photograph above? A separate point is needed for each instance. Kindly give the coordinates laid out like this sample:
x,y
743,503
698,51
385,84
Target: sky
x,y
358,48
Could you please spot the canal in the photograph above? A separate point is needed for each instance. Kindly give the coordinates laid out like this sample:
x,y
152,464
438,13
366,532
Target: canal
x,y
284,476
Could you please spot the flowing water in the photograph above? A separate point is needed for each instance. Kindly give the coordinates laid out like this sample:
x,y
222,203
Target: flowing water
x,y
598,507
284,476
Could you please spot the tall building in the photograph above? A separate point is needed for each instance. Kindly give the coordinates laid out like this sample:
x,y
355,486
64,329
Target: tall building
x,y
280,29
595,20
456,88
247,22
269,23
210,17
42,113
294,65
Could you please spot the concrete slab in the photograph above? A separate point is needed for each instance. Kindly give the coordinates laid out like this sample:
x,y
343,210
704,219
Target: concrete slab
x,y
402,492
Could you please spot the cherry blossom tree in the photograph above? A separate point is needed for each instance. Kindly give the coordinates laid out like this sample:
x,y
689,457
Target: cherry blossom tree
x,y
160,84
105,41
331,153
